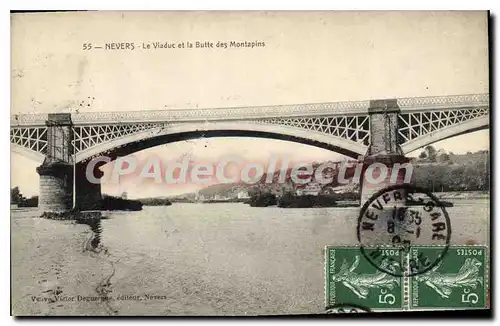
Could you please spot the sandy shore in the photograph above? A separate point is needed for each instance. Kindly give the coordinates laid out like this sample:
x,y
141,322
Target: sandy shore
x,y
49,282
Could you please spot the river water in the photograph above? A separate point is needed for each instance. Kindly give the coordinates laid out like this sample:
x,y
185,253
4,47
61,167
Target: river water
x,y
220,259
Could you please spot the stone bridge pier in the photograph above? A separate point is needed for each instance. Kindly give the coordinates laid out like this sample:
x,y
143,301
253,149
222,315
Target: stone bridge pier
x,y
384,151
59,177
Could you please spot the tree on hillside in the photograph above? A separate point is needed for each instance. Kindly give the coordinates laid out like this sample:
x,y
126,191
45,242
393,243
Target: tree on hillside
x,y
422,155
444,157
431,153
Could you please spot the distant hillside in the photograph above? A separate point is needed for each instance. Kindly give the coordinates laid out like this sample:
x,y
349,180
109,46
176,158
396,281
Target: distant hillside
x,y
451,172
231,190
437,171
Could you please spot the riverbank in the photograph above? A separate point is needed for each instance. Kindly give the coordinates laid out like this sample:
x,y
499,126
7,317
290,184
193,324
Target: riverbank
x,y
54,272
463,195
111,203
309,201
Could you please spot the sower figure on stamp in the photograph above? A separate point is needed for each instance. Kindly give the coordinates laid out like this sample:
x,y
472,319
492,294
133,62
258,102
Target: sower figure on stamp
x,y
443,284
361,284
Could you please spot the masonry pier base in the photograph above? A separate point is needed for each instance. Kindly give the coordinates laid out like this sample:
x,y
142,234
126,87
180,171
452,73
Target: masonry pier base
x,y
56,187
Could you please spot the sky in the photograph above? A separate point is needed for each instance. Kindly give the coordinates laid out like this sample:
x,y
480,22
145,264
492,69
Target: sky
x,y
308,57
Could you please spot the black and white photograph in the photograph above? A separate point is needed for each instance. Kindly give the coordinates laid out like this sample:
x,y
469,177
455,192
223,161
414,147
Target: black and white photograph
x,y
249,163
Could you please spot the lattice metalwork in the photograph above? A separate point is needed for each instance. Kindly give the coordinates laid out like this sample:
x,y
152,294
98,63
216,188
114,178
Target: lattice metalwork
x,y
256,112
28,119
354,128
413,125
346,120
88,136
469,100
34,138
219,114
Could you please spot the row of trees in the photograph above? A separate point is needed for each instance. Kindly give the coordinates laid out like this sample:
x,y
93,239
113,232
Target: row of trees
x,y
430,154
16,198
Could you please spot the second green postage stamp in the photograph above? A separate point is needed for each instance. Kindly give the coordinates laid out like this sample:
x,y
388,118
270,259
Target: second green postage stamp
x,y
458,281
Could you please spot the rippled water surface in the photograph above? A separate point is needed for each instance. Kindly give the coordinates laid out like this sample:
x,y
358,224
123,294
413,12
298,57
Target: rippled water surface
x,y
236,259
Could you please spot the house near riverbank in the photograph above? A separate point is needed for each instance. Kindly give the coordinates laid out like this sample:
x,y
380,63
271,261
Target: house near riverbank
x,y
311,188
243,194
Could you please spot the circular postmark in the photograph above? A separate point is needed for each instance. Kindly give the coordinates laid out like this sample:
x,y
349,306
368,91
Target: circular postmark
x,y
346,308
396,218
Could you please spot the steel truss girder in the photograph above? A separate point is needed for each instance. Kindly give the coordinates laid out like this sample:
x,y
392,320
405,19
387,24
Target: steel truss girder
x,y
353,128
88,136
414,125
32,138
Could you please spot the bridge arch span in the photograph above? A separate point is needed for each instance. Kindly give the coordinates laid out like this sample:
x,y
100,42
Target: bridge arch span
x,y
167,134
27,152
445,133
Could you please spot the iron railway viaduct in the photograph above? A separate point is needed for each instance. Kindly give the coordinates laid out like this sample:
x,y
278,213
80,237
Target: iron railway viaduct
x,y
382,130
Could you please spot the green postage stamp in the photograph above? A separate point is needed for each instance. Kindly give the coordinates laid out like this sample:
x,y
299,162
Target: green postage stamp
x,y
352,279
458,281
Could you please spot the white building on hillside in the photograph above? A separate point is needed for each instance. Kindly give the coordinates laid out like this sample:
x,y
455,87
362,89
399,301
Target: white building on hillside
x,y
243,194
312,188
